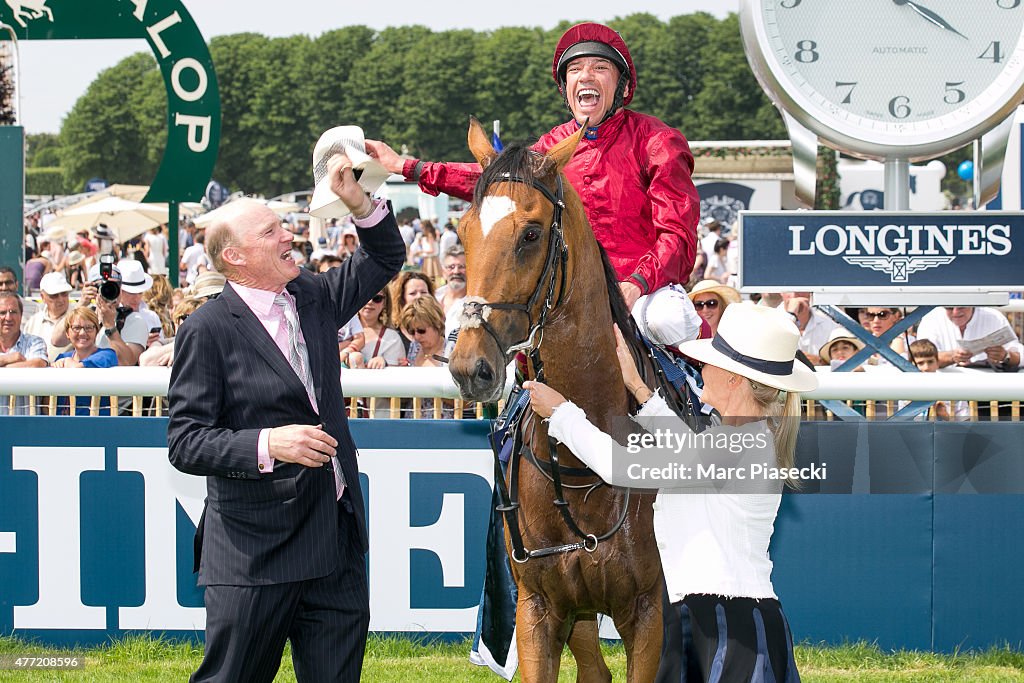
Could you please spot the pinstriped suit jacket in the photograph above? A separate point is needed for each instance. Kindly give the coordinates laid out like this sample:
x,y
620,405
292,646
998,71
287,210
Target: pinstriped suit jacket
x,y
229,381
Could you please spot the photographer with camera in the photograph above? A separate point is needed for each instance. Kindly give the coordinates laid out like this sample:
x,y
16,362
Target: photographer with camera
x,y
128,326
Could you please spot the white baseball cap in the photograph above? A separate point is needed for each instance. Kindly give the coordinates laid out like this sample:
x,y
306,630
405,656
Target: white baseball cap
x,y
54,283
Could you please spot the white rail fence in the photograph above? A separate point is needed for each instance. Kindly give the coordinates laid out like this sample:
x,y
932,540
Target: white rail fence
x,y
431,392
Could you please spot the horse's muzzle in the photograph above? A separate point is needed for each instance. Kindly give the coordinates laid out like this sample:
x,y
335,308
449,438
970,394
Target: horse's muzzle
x,y
477,378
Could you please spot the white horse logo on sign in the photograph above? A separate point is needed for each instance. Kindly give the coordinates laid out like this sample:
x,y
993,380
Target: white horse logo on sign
x,y
32,9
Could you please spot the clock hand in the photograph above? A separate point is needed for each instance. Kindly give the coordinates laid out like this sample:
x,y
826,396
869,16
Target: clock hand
x,y
930,16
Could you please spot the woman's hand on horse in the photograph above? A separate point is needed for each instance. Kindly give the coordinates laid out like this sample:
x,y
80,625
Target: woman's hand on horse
x,y
387,157
630,375
543,399
344,184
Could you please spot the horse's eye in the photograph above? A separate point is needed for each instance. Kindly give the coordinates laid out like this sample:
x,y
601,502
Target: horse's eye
x,y
531,235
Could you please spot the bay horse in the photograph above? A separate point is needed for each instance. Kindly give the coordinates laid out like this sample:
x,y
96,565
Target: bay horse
x,y
538,282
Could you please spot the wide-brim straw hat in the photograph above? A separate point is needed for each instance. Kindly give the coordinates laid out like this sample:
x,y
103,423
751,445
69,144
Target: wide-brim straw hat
x,y
758,343
209,283
726,293
368,171
838,334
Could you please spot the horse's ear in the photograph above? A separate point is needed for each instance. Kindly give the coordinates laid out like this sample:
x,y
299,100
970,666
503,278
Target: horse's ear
x,y
563,151
480,144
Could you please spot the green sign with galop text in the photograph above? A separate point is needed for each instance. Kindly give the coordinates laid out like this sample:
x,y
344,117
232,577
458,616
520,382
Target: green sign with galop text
x,y
193,101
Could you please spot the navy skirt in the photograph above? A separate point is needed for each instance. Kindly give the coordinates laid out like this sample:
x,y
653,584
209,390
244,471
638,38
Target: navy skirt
x,y
710,638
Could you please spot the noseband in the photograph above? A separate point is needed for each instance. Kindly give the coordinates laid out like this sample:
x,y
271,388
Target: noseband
x,y
478,312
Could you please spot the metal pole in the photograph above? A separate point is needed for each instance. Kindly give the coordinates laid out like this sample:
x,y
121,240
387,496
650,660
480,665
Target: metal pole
x,y
173,257
897,184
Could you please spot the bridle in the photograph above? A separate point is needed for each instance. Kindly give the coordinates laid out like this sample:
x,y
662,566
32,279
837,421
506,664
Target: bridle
x,y
554,271
555,267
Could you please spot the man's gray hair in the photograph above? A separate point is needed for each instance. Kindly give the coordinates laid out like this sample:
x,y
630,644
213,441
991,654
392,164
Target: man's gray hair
x,y
455,250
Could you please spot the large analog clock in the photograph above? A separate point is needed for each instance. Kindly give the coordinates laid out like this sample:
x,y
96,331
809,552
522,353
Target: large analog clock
x,y
888,79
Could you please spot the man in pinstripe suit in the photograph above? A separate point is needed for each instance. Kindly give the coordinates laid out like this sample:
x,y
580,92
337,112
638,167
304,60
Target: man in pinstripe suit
x,y
256,407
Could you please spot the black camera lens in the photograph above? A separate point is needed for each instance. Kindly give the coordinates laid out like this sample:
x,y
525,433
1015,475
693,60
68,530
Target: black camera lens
x,y
110,290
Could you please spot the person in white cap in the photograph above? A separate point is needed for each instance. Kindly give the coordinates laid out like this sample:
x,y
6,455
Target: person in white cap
x,y
55,291
713,541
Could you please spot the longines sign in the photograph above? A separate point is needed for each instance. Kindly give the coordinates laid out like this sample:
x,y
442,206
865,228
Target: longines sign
x,y
829,251
193,101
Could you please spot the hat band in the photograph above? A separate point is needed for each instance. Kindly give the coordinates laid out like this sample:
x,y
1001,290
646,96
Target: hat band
x,y
133,284
769,367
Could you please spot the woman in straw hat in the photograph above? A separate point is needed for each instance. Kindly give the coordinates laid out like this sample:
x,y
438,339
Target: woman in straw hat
x,y
711,298
714,541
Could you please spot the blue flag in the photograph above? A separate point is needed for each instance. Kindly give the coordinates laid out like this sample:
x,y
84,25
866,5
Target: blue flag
x,y
496,143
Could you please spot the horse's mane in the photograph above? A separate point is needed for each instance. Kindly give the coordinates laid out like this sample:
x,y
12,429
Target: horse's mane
x,y
520,161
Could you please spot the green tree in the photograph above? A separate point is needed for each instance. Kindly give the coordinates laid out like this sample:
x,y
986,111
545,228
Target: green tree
x,y
731,104
504,84
104,135
42,150
691,37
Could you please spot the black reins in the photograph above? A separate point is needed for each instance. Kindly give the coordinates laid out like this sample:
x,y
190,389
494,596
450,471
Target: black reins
x,y
555,267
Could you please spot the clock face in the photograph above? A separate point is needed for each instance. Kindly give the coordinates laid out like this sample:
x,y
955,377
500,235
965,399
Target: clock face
x,y
890,78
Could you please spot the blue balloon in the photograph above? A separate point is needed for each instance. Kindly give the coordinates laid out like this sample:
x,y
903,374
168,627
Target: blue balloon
x,y
965,170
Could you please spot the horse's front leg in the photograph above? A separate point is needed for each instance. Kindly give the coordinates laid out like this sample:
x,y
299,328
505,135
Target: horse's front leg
x,y
540,638
641,629
586,650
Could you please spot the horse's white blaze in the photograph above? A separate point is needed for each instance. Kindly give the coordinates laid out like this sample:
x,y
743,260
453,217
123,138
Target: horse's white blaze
x,y
493,209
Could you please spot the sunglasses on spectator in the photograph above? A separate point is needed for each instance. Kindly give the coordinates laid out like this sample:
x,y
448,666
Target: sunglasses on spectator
x,y
880,315
710,303
79,329
181,318
419,330
377,298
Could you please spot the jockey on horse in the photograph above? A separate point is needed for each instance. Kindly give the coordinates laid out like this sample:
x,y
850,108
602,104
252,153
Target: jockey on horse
x,y
631,170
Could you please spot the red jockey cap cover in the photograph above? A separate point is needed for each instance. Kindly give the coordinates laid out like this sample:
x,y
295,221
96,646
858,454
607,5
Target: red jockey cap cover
x,y
591,32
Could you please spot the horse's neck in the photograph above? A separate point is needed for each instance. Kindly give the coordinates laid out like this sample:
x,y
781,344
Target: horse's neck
x,y
579,358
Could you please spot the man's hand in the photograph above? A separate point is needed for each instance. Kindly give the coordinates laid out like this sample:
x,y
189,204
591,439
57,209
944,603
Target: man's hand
x,y
107,312
11,358
387,157
89,294
800,307
344,184
630,292
962,356
997,355
304,445
543,399
942,410
68,362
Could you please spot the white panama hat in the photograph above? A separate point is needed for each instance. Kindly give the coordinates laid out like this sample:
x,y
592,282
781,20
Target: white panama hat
x,y
368,171
134,279
758,343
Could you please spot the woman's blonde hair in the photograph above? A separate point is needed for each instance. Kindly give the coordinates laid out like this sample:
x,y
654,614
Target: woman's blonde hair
x,y
81,313
782,410
426,311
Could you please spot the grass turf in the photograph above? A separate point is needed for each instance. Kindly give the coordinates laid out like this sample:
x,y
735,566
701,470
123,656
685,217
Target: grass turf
x,y
394,659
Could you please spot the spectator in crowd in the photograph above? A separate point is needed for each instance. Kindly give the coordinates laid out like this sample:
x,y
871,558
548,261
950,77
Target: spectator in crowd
x,y
449,238
9,283
409,285
329,261
383,345
423,251
700,264
85,245
841,345
156,250
76,270
321,252
349,241
712,235
55,250
17,349
159,300
208,286
55,290
195,259
186,236
423,321
710,299
880,320
947,327
814,325
453,292
299,244
926,358
82,326
351,340
35,268
408,233
718,269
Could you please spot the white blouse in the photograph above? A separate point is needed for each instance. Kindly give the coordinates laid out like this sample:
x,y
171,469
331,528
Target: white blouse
x,y
711,542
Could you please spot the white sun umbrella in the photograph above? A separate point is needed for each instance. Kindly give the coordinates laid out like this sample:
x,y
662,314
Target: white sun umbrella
x,y
126,218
